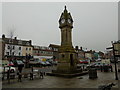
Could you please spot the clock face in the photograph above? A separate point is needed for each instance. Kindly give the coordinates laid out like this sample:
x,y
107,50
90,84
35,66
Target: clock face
x,y
69,21
63,20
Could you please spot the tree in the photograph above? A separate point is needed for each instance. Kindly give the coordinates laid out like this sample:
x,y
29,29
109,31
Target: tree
x,y
11,34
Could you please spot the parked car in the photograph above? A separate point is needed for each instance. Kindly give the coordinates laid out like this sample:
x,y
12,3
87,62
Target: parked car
x,y
97,60
5,63
42,63
55,62
18,63
47,63
6,68
34,62
98,65
10,63
83,62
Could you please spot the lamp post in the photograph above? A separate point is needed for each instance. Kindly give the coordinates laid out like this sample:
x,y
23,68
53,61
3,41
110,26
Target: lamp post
x,y
116,53
114,49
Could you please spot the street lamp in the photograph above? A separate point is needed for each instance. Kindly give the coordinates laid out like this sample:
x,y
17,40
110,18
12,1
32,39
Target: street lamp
x,y
115,45
116,53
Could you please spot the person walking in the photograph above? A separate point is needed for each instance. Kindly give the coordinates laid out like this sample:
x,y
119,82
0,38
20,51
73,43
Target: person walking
x,y
31,75
19,77
41,74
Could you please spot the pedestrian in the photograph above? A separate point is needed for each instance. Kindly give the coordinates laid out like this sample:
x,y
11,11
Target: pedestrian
x,y
44,73
31,75
20,68
41,74
19,76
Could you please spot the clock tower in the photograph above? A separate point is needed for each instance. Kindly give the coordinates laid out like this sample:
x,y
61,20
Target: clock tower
x,y
66,25
67,54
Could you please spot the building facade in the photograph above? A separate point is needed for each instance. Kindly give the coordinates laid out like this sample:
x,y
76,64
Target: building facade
x,y
89,55
14,48
27,50
1,52
81,54
42,52
55,49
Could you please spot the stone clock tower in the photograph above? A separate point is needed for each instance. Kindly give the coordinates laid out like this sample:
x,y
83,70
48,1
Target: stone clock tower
x,y
67,55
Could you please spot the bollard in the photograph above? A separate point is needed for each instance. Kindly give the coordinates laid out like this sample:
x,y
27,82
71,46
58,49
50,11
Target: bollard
x,y
3,73
8,75
19,77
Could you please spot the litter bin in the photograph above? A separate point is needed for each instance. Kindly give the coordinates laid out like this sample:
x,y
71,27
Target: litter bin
x,y
92,73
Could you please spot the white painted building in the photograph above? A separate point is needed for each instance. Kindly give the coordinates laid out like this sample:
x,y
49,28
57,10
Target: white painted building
x,y
16,50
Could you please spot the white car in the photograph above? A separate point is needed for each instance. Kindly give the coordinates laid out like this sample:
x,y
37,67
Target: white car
x,y
12,69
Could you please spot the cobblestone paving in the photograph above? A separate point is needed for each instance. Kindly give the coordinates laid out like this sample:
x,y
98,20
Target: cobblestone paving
x,y
59,82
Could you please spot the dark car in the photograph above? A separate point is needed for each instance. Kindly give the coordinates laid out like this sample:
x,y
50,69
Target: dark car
x,y
18,63
48,63
42,63
99,66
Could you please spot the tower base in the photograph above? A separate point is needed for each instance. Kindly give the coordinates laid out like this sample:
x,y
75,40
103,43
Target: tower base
x,y
66,75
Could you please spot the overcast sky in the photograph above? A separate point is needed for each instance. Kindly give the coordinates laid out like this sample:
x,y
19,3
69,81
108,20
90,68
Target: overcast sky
x,y
95,23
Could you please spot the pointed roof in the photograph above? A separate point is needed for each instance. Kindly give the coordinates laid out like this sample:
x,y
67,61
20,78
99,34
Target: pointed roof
x,y
65,15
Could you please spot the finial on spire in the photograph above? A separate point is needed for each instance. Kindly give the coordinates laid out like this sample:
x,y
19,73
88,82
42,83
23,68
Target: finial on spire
x,y
65,7
65,10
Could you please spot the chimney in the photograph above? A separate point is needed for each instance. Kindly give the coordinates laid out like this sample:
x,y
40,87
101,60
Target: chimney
x,y
81,48
15,38
30,42
76,47
3,36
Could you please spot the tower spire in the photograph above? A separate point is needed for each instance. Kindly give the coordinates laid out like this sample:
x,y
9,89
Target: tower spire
x,y
65,7
65,10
